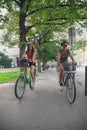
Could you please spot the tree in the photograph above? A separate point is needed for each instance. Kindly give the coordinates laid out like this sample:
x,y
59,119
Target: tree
x,y
5,61
48,52
25,16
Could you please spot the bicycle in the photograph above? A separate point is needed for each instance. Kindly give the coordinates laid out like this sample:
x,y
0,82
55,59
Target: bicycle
x,y
22,80
69,81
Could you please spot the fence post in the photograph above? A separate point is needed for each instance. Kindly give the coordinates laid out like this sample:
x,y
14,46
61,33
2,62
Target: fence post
x,y
85,80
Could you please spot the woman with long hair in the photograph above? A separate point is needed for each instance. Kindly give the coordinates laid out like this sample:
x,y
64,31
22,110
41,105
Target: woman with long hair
x,y
30,53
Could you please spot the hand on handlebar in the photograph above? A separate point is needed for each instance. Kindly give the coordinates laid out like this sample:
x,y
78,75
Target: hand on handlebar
x,y
75,63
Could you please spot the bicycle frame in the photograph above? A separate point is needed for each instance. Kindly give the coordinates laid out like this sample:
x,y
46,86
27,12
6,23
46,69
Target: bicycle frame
x,y
23,74
69,81
67,75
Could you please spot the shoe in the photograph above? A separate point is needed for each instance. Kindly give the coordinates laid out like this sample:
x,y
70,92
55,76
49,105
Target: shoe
x,y
61,88
61,83
31,87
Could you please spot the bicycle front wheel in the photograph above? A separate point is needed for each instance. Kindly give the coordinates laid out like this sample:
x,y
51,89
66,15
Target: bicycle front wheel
x,y
20,87
71,88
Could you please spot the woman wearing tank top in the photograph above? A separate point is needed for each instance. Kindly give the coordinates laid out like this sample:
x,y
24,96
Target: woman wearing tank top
x,y
30,53
63,55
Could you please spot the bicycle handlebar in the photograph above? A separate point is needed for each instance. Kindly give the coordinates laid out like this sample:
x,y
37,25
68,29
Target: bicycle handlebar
x,y
25,60
74,63
70,63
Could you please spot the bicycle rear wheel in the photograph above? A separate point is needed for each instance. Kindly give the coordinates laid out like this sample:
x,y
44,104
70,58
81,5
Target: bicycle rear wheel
x,y
71,88
20,87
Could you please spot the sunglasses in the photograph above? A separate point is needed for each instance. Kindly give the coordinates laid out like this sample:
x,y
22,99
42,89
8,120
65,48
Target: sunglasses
x,y
64,45
30,46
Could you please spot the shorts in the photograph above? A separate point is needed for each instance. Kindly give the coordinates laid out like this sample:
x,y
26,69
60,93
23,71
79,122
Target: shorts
x,y
32,63
65,65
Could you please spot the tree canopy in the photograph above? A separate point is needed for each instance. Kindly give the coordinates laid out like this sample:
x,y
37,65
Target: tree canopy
x,y
24,18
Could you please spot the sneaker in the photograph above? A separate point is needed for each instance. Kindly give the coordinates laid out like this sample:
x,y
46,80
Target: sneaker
x,y
61,85
31,87
61,88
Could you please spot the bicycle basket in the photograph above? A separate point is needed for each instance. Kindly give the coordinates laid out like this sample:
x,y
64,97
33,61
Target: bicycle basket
x,y
23,63
70,67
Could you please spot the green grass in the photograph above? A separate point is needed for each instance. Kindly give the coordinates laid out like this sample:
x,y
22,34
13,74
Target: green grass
x,y
6,77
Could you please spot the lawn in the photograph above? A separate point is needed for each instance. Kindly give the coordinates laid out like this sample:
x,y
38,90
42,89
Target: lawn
x,y
6,77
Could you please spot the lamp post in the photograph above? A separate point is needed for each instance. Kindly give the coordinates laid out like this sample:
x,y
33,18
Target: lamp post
x,y
72,35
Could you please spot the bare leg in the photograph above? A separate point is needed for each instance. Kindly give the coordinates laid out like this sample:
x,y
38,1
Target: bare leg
x,y
32,74
61,72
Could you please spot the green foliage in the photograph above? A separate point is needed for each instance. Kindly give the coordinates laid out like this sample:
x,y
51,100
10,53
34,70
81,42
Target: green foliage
x,y
81,44
26,17
48,51
5,61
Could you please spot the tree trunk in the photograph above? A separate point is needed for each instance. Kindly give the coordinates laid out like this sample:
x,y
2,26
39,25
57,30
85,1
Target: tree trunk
x,y
22,30
44,64
39,66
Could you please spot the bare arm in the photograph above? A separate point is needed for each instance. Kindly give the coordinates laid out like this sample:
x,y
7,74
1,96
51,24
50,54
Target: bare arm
x,y
71,56
24,55
58,57
34,56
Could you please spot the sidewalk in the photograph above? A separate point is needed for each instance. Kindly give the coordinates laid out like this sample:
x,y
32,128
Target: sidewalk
x,y
44,108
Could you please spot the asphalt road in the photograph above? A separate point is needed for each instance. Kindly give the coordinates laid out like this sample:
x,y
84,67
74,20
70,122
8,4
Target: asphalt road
x,y
44,108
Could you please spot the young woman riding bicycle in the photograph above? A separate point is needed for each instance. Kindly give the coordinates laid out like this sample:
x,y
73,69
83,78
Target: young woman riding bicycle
x,y
63,55
30,53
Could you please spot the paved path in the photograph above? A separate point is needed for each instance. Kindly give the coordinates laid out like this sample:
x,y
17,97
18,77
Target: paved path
x,y
44,108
